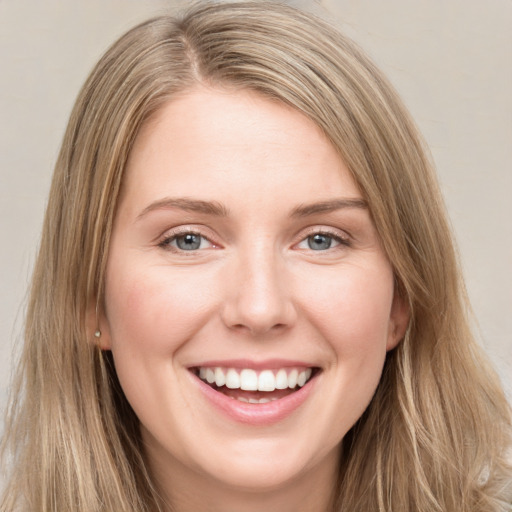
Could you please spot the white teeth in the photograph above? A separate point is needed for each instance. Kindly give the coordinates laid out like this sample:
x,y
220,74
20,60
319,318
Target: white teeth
x,y
232,379
249,380
254,400
281,379
292,379
220,377
210,375
266,381
304,377
301,380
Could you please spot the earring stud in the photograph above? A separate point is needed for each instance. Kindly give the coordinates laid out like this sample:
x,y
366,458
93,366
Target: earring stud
x,y
97,334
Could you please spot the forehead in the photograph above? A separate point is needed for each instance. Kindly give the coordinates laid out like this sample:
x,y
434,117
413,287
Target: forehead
x,y
212,142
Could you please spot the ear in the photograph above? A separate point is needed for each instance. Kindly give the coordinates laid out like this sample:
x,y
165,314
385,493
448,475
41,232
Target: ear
x,y
398,320
97,326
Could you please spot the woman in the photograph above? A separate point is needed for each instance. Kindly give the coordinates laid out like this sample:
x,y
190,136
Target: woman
x,y
247,296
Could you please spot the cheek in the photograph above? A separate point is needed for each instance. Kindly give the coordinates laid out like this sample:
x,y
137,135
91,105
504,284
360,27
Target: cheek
x,y
353,309
155,310
151,314
350,309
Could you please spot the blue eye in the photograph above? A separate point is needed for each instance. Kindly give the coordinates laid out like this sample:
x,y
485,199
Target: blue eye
x,y
320,242
186,242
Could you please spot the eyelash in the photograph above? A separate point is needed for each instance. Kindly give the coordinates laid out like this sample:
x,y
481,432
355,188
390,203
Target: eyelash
x,y
166,241
168,238
342,241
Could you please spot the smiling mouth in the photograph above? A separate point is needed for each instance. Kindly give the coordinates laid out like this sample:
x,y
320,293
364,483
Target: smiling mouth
x,y
252,386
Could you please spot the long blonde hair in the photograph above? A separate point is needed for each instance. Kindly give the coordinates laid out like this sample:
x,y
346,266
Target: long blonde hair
x,y
436,435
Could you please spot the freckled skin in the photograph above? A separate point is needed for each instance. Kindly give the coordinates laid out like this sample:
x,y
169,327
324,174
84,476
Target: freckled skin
x,y
254,289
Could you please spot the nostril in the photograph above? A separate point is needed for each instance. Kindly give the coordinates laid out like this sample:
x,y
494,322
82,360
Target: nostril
x,y
256,327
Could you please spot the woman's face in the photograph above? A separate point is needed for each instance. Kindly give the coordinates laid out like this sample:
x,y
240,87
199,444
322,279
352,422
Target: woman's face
x,y
244,254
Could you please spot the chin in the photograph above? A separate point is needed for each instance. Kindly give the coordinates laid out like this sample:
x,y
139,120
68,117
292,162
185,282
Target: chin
x,y
263,466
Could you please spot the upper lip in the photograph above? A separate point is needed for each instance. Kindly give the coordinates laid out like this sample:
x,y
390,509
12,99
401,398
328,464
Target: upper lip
x,y
267,364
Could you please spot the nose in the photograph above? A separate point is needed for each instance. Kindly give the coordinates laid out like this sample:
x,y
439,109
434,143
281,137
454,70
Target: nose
x,y
259,297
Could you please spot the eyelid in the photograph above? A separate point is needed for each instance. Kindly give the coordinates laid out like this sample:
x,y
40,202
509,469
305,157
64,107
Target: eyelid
x,y
341,236
173,233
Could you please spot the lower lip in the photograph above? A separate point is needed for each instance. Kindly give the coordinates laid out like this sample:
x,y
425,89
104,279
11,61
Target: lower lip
x,y
256,414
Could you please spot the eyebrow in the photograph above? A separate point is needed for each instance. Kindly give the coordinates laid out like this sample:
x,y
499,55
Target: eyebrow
x,y
187,204
217,209
328,206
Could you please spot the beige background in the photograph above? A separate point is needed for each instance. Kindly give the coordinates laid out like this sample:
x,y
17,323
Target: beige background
x,y
450,59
